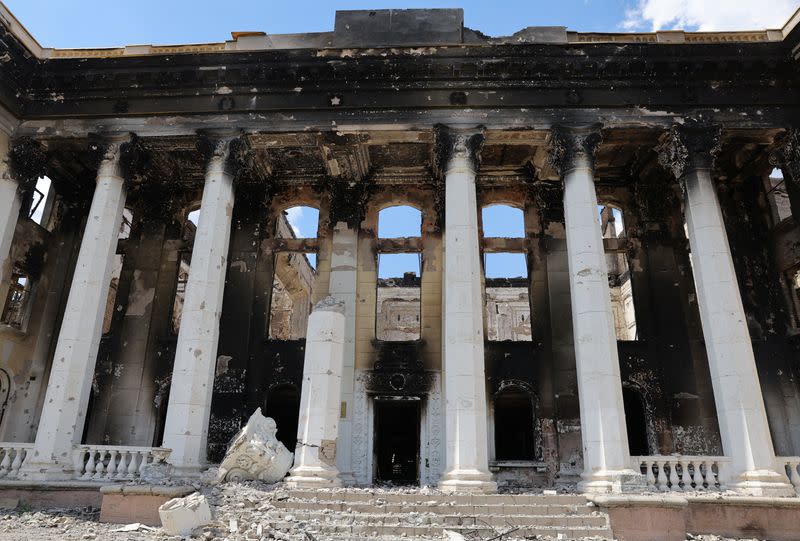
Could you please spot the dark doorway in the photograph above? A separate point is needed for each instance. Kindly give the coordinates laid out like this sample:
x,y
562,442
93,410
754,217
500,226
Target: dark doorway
x,y
283,406
513,425
397,441
635,422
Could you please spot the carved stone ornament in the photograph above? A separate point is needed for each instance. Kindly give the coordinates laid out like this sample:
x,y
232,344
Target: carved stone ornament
x,y
565,145
450,144
238,157
256,454
689,145
785,153
27,162
102,150
349,200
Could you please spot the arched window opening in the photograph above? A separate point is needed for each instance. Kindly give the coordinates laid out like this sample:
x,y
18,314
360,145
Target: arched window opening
x,y
398,297
507,299
182,270
513,425
294,275
283,407
398,310
399,222
299,222
636,422
503,221
292,288
612,225
778,197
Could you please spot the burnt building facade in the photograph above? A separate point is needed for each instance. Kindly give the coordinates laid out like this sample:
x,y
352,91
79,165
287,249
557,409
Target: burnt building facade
x,y
155,292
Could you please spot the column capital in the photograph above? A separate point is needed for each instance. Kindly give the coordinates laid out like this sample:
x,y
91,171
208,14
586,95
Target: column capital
x,y
229,149
105,151
456,143
27,162
691,145
565,145
785,153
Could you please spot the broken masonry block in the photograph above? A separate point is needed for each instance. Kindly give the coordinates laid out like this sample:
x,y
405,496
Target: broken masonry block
x,y
180,516
256,454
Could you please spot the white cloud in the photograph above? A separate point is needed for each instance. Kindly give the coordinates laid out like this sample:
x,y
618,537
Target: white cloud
x,y
708,15
293,216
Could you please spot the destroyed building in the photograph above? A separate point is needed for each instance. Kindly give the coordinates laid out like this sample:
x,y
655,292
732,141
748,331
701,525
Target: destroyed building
x,y
154,292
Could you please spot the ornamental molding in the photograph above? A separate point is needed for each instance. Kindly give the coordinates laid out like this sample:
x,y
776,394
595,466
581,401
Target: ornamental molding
x,y
27,161
234,151
691,145
566,145
785,153
452,144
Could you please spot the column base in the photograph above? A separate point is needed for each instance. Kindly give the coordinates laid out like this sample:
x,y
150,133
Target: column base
x,y
613,482
348,479
467,481
313,477
762,483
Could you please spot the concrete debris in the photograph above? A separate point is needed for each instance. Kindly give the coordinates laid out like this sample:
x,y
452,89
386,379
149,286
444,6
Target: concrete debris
x,y
179,516
256,454
260,512
135,527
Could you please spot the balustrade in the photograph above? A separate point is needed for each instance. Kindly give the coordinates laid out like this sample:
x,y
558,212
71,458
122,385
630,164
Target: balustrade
x,y
790,465
682,473
13,455
114,463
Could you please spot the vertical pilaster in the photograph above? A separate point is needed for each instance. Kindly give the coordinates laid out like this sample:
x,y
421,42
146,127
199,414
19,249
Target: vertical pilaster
x,y
688,151
189,407
467,464
317,429
67,396
342,286
606,457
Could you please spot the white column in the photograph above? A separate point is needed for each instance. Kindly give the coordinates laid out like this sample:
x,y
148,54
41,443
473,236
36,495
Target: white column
x,y
189,407
9,212
318,424
606,458
343,287
688,151
64,412
467,464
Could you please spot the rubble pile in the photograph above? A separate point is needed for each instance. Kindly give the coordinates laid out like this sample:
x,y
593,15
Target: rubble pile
x,y
240,512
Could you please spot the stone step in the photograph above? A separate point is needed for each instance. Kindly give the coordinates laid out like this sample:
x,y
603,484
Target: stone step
x,y
383,531
563,521
466,499
441,508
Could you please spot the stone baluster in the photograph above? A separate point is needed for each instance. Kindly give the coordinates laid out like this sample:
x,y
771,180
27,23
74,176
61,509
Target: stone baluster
x,y
189,407
467,463
122,468
68,388
606,457
688,151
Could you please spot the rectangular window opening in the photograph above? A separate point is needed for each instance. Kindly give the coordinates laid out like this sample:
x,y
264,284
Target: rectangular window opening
x,y
15,305
507,298
181,280
292,288
399,294
622,306
111,300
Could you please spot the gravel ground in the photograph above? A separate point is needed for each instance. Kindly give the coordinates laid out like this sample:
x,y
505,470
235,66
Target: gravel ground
x,y
239,511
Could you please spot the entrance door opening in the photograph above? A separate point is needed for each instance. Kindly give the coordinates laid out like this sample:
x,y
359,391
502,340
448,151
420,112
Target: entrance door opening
x,y
397,441
283,406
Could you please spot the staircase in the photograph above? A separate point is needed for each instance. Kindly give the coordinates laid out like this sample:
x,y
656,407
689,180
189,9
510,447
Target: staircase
x,y
347,514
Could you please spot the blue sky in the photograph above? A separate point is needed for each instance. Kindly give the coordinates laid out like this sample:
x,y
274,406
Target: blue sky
x,y
104,23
